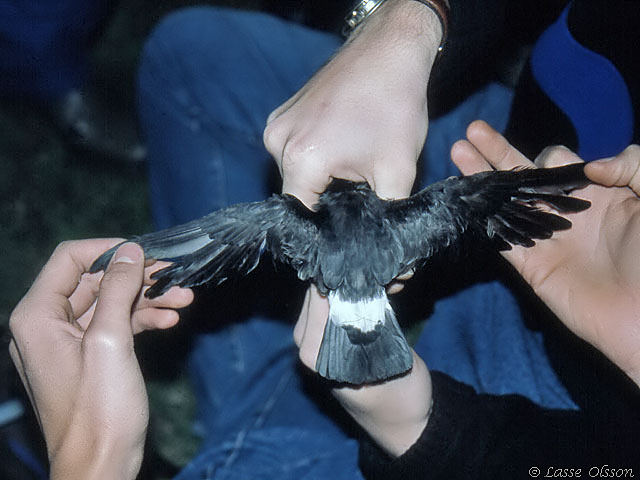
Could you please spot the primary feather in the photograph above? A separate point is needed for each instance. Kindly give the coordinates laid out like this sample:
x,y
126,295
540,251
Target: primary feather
x,y
353,244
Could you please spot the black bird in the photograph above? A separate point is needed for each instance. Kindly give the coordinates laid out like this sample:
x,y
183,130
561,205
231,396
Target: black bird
x,y
353,244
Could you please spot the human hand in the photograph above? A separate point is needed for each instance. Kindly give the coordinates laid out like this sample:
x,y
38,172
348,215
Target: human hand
x,y
73,348
363,116
588,275
395,412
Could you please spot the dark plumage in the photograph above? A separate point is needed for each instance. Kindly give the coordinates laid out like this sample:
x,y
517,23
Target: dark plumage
x,y
355,243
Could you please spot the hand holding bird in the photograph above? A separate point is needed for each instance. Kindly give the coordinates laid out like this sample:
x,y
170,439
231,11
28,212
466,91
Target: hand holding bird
x,y
353,244
589,275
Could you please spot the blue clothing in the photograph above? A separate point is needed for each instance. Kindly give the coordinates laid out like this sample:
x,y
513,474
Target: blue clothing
x,y
44,45
208,79
569,73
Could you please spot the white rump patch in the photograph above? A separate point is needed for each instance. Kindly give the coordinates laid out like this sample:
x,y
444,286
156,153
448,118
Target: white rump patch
x,y
364,314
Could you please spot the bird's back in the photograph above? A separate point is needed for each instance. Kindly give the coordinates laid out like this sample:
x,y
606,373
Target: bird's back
x,y
356,245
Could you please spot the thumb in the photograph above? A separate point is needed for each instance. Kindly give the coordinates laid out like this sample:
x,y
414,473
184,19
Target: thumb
x,y
620,171
119,289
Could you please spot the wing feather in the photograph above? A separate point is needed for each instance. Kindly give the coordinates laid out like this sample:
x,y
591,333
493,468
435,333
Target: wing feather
x,y
227,242
500,205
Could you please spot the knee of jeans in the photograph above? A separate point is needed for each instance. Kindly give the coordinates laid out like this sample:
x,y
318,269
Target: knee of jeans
x,y
193,30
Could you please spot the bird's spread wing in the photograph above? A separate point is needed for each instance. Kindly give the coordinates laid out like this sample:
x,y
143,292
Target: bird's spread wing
x,y
228,242
502,205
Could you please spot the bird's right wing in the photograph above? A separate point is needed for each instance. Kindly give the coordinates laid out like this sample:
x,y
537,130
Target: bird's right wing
x,y
228,242
500,205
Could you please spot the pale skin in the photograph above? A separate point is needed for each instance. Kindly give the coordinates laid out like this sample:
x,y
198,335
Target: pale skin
x,y
73,348
589,276
96,408
364,115
73,332
335,127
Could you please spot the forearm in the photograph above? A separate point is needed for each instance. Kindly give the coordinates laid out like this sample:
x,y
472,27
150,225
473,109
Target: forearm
x,y
90,449
96,460
393,413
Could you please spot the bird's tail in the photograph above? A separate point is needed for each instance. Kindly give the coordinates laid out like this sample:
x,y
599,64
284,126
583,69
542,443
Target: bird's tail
x,y
362,342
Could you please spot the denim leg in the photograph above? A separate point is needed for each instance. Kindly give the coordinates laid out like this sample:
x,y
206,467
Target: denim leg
x,y
44,45
262,424
208,80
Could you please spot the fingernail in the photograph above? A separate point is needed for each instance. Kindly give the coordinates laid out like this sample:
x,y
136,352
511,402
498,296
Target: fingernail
x,y
128,253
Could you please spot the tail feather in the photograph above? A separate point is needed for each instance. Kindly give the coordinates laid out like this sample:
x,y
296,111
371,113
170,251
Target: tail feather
x,y
352,353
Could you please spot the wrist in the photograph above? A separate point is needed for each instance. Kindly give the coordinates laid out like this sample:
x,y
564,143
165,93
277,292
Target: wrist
x,y
89,459
398,46
404,22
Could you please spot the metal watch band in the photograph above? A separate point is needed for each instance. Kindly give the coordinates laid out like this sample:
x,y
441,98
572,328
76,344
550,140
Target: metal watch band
x,y
358,13
364,8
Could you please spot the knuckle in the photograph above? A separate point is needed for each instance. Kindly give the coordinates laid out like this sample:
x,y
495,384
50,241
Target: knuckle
x,y
102,342
20,323
64,247
274,137
297,153
633,150
15,322
554,155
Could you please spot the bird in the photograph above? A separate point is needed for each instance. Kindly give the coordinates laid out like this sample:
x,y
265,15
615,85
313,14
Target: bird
x,y
352,244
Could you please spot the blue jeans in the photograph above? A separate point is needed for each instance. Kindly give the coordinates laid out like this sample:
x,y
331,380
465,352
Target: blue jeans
x,y
208,80
44,45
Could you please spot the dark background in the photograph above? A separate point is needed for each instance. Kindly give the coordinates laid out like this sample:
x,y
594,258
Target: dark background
x,y
51,191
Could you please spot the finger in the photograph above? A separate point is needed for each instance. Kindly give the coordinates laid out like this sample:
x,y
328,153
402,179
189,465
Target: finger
x,y
407,275
307,185
495,148
83,320
85,294
468,159
110,328
153,319
397,183
151,267
556,156
395,287
68,262
620,171
175,297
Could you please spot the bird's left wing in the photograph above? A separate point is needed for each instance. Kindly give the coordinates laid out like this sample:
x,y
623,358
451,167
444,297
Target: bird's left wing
x,y
228,242
501,205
